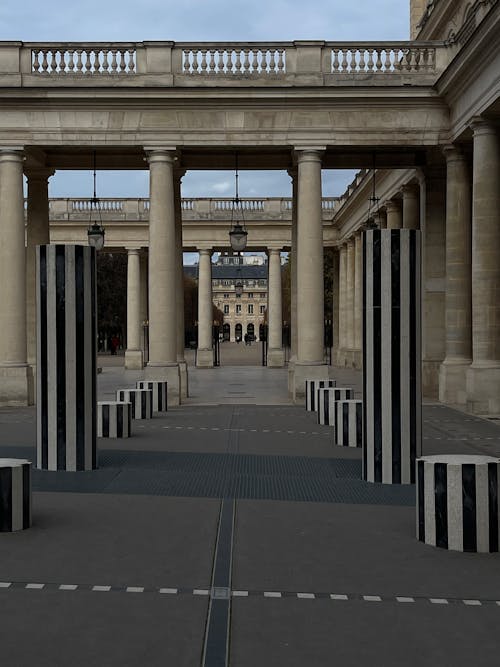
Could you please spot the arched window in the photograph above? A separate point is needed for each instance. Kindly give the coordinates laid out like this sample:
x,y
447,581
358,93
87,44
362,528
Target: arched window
x,y
226,332
238,332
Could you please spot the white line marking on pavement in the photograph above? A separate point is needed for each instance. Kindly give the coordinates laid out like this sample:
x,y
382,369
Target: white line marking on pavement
x,y
472,603
68,587
306,596
102,589
403,599
5,584
272,594
372,598
334,596
169,591
240,594
438,601
134,589
200,591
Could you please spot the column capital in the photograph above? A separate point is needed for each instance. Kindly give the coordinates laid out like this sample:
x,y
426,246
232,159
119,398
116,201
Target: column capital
x,y
480,125
156,155
133,251
205,250
453,153
274,250
391,205
410,190
306,154
38,173
11,155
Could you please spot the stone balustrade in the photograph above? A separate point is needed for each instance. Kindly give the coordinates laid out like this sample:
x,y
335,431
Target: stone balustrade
x,y
139,64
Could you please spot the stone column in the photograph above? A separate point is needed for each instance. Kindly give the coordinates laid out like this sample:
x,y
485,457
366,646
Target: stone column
x,y
310,312
275,352
144,318
483,376
411,206
293,282
205,354
183,372
16,377
453,371
335,305
37,233
342,304
394,214
133,353
358,298
162,364
350,301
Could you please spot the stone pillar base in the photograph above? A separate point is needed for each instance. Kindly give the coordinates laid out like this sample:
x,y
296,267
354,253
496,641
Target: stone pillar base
x,y
483,389
430,378
16,386
168,374
205,359
134,360
291,370
452,381
184,379
275,358
303,372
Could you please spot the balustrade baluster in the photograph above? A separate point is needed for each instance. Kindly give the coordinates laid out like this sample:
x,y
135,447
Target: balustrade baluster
x,y
362,61
79,64
186,63
211,65
246,61
281,60
203,63
370,63
113,61
272,61
387,60
220,61
35,62
344,60
378,64
45,62
335,60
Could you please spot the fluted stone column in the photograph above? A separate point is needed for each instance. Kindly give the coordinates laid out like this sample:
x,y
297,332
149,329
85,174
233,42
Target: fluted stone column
x,y
358,298
335,305
16,377
162,363
342,304
310,311
205,354
37,233
133,353
411,206
453,371
144,317
275,352
350,301
394,214
293,283
183,372
483,376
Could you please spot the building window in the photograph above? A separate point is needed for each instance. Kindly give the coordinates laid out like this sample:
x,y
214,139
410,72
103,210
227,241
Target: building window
x,y
263,295
226,310
250,295
238,309
262,310
250,308
226,295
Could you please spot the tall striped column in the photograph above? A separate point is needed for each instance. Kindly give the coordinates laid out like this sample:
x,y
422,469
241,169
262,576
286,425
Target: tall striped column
x,y
66,357
392,394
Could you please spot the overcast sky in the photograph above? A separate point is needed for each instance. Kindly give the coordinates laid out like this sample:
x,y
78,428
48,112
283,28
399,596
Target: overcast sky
x,y
200,20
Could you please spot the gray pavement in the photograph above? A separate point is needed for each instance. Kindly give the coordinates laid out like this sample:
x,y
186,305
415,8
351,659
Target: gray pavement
x,y
123,565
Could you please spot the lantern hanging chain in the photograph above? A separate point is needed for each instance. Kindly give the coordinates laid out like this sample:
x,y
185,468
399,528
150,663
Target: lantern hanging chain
x,y
236,178
95,200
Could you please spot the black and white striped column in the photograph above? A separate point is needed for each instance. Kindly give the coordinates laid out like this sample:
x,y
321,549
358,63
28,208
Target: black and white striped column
x,y
141,399
457,502
159,389
66,357
312,387
348,425
326,398
114,419
15,495
392,394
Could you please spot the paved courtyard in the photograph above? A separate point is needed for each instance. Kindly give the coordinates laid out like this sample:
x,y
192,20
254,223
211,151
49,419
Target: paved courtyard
x,y
232,527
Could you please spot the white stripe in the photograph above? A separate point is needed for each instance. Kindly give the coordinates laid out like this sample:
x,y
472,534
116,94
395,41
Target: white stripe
x,y
38,358
90,364
68,587
403,599
370,418
482,509
454,507
335,596
169,591
404,338
5,584
306,596
372,598
438,601
70,360
200,591
272,594
429,504
35,586
240,594
103,589
472,603
134,589
51,359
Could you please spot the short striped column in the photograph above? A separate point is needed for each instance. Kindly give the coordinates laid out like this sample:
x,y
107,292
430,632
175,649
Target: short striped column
x,y
392,394
15,495
66,357
141,399
159,389
348,425
457,502
114,419
312,387
326,398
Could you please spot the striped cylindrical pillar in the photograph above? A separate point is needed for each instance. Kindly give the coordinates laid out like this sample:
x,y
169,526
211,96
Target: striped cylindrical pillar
x,y
141,399
66,357
312,387
392,394
348,423
114,419
15,495
159,389
326,399
457,502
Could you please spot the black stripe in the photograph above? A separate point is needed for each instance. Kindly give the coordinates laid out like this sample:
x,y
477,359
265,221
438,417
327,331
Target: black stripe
x,y
377,366
312,392
365,462
345,424
326,404
119,421
129,420
26,495
60,387
93,298
421,502
105,421
80,332
441,507
469,506
6,500
359,424
493,505
415,365
132,398
396,260
43,459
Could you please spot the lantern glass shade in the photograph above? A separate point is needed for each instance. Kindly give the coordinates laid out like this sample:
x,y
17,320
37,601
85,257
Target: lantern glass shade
x,y
238,238
95,235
